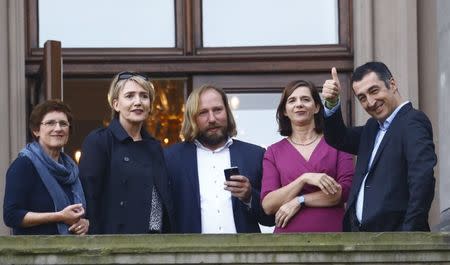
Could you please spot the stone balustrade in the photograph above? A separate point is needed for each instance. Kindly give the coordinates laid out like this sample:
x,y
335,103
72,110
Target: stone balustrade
x,y
314,248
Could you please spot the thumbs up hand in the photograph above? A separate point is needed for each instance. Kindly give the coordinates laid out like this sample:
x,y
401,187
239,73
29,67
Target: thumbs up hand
x,y
331,89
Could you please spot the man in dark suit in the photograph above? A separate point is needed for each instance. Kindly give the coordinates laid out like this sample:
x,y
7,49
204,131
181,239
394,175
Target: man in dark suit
x,y
204,202
393,185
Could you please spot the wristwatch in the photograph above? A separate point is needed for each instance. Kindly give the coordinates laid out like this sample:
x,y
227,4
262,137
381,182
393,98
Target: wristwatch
x,y
301,200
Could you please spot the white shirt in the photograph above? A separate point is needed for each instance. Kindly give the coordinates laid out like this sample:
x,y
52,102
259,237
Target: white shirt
x,y
215,202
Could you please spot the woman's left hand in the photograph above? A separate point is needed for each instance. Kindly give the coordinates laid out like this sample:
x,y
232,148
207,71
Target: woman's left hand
x,y
286,212
81,227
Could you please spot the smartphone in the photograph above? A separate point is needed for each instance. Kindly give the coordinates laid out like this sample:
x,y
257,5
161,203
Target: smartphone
x,y
230,172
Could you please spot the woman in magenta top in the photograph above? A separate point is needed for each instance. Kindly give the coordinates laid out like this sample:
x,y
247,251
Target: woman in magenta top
x,y
305,181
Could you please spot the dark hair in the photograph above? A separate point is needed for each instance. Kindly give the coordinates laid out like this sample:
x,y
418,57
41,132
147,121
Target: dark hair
x,y
284,123
379,68
189,128
40,110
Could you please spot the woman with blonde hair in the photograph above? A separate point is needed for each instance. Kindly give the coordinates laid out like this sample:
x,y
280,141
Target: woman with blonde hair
x,y
122,167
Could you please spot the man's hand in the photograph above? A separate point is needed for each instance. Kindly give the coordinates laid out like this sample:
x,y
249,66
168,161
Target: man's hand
x,y
240,187
331,89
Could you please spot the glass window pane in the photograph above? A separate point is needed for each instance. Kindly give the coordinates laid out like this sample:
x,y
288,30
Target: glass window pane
x,y
107,23
237,23
256,122
255,117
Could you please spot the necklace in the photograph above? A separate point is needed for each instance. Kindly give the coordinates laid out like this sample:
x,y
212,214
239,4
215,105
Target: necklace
x,y
303,144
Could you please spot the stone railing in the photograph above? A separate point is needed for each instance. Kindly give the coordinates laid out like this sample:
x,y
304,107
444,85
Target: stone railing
x,y
340,248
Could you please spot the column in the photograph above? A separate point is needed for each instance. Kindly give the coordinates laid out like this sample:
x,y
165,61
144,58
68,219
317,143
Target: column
x,y
442,101
12,88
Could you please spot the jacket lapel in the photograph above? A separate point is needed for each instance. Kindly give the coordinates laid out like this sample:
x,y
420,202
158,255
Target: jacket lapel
x,y
389,132
236,160
235,156
190,167
366,147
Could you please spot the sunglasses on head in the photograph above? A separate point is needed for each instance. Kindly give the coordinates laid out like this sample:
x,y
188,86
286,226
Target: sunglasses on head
x,y
126,75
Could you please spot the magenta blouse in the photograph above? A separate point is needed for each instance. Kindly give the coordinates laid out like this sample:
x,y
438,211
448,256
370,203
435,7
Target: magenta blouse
x,y
282,164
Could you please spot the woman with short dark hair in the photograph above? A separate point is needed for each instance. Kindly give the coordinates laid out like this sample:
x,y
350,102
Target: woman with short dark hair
x,y
305,181
43,194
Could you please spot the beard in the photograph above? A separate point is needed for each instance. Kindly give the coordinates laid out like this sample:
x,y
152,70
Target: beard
x,y
213,139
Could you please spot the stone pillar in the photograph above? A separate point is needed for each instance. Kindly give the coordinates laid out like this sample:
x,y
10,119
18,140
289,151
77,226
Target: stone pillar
x,y
12,88
442,101
428,83
386,31
363,45
395,43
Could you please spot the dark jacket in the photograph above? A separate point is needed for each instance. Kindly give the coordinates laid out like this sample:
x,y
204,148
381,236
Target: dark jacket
x,y
400,185
181,162
26,192
118,176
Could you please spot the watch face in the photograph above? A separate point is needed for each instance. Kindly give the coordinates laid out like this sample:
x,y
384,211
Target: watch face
x,y
301,200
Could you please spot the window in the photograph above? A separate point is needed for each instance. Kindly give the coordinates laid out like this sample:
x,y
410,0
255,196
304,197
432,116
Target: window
x,y
236,23
254,114
107,24
252,57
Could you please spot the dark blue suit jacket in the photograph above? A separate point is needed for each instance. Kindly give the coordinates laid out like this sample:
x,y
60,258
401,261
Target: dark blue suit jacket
x,y
400,185
181,160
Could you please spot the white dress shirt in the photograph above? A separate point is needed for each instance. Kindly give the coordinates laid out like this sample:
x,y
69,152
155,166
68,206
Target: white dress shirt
x,y
215,202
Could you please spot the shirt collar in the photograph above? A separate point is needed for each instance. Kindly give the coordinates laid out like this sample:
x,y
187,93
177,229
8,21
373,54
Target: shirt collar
x,y
385,125
226,145
122,135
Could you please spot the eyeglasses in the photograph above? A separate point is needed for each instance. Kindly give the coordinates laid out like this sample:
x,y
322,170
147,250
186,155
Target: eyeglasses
x,y
52,124
126,75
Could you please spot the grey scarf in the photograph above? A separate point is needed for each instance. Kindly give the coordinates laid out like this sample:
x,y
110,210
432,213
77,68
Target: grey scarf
x,y
54,175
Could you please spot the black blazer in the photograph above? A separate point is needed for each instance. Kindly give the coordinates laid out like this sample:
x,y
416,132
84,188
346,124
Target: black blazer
x,y
181,162
118,176
399,188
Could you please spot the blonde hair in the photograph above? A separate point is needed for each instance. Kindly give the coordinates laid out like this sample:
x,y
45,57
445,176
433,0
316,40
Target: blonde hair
x,y
189,128
117,85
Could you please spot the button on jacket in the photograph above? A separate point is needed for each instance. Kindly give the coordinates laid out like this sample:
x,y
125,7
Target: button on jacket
x,y
118,175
